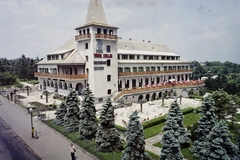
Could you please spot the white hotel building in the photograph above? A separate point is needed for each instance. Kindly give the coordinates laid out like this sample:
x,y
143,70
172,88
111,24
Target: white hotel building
x,y
127,71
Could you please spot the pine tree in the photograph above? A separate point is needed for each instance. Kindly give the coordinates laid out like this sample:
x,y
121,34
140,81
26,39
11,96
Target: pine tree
x,y
176,114
60,113
107,136
88,124
219,145
71,119
206,123
170,147
135,147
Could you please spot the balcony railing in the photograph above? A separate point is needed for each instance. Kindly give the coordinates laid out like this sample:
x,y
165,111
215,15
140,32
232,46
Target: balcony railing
x,y
152,88
61,76
105,36
151,72
82,36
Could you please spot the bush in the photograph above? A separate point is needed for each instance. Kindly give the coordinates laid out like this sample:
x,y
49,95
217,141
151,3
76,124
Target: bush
x,y
154,122
120,128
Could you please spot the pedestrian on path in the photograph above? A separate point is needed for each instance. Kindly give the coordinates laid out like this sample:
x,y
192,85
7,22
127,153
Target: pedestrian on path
x,y
72,150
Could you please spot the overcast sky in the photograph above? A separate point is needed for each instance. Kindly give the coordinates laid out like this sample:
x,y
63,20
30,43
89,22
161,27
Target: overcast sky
x,y
202,30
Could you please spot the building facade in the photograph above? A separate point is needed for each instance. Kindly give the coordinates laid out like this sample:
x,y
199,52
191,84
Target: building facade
x,y
127,71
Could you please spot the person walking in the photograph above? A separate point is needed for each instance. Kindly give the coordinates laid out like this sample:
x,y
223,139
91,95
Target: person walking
x,y
72,151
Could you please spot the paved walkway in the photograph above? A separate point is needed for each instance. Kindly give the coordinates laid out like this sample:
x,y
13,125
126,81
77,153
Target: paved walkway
x,y
50,145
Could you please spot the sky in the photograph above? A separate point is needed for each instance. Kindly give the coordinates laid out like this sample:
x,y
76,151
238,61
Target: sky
x,y
201,30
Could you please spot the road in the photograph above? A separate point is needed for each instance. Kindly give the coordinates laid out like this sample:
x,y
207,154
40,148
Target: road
x,y
49,146
12,147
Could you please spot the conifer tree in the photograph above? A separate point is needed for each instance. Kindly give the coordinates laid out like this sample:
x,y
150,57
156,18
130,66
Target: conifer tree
x,y
176,114
205,125
219,145
71,119
135,147
88,124
60,113
170,147
107,136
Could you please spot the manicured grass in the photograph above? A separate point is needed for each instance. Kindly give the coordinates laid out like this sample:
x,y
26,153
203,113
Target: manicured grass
x,y
190,119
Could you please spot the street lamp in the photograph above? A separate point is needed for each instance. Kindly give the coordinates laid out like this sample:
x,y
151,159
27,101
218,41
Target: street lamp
x,y
32,128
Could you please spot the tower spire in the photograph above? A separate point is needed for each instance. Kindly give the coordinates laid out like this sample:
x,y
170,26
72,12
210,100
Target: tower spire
x,y
96,13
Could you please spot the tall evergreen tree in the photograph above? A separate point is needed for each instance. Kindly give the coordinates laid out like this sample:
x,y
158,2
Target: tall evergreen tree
x,y
60,113
205,125
219,145
170,147
88,124
71,119
176,114
107,136
135,148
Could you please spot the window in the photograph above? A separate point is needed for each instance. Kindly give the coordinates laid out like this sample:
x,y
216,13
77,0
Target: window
x,y
140,69
108,78
108,62
131,56
156,57
76,71
153,69
134,69
163,57
120,69
57,57
84,31
87,58
86,45
158,68
145,57
80,32
99,30
151,57
124,56
138,57
88,31
126,69
105,31
108,48
109,91
111,32
100,99
118,56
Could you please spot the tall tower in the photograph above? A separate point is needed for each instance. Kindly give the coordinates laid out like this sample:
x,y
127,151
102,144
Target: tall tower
x,y
97,44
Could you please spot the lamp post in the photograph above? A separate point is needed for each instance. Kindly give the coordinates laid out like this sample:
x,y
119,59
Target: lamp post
x,y
32,128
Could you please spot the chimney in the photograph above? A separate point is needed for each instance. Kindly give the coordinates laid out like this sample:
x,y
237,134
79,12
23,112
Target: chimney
x,y
130,39
149,41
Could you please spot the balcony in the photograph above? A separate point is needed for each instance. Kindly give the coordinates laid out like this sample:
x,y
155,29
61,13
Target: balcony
x,y
82,37
157,88
105,36
122,74
61,76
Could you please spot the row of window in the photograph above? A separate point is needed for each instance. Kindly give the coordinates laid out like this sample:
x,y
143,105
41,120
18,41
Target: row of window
x,y
55,57
99,31
147,57
153,68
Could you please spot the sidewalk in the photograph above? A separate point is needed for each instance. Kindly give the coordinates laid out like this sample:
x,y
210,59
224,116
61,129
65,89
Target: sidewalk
x,y
50,145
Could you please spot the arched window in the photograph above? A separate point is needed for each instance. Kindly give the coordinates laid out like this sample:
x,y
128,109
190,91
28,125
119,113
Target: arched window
x,y
109,91
108,78
108,48
108,62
